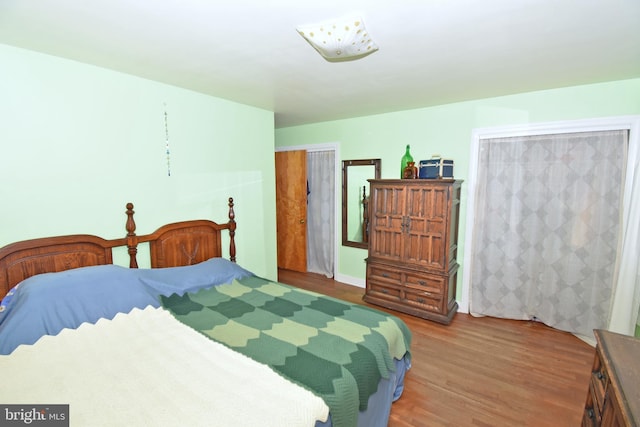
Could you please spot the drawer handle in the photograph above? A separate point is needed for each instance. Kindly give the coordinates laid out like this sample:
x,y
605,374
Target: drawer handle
x,y
421,300
590,413
385,275
384,291
422,282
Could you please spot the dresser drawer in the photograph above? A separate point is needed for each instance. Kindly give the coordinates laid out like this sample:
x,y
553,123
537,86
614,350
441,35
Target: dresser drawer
x,y
384,290
588,418
424,300
428,285
592,415
598,385
382,274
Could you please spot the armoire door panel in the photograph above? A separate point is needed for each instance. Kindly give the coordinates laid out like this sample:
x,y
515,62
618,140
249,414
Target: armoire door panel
x,y
426,209
416,202
389,200
426,250
387,222
428,203
386,243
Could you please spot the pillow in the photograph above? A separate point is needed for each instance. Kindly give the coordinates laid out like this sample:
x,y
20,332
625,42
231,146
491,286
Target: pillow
x,y
191,278
45,304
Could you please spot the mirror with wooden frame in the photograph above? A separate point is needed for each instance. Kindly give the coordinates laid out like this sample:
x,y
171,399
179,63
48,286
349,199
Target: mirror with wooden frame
x,y
355,199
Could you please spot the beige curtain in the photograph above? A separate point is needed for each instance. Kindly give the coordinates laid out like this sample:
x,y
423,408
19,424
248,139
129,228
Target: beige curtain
x,y
321,212
548,227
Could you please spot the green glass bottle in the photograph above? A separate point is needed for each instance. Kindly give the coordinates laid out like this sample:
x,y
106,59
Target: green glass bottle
x,y
405,159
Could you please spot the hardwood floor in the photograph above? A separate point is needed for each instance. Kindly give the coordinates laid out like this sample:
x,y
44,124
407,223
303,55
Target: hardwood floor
x,y
482,371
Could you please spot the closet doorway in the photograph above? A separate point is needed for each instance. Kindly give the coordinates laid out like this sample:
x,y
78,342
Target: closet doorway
x,y
551,224
307,242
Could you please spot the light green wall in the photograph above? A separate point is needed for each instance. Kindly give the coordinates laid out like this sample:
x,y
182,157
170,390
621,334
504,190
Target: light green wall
x,y
78,142
447,129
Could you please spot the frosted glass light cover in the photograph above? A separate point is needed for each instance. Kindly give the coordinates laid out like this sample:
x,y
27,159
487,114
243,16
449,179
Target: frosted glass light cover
x,y
339,40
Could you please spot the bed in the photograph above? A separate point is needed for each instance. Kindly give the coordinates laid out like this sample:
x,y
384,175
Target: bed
x,y
194,340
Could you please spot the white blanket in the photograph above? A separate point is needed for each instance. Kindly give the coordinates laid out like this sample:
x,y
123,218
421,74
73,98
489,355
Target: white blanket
x,y
147,369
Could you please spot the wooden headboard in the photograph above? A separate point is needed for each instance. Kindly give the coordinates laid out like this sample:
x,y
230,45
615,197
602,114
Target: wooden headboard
x,y
177,244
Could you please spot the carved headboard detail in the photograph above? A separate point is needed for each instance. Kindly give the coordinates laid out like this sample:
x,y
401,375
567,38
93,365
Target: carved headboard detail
x,y
176,244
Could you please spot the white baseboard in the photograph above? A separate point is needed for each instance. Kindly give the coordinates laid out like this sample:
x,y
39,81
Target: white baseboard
x,y
350,280
462,309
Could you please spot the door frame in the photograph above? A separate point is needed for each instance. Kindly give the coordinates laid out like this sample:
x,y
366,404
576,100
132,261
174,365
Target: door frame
x,y
335,147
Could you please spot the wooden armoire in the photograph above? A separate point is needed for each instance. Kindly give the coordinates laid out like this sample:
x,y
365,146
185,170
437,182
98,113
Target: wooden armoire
x,y
413,245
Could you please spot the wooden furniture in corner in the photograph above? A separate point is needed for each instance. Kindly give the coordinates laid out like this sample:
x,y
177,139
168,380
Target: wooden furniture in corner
x,y
613,398
413,244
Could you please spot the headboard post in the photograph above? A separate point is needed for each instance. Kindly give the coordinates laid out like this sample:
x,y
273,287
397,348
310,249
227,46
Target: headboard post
x,y
132,239
232,231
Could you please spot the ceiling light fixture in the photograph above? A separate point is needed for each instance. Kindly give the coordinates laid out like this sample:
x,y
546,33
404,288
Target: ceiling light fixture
x,y
342,39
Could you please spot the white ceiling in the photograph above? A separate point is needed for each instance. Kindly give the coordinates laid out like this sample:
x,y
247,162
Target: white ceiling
x,y
431,52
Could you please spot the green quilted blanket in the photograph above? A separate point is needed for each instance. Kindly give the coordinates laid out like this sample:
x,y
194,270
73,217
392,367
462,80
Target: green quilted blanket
x,y
336,349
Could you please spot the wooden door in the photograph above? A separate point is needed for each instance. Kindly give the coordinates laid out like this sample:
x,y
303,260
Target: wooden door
x,y
387,220
291,209
427,218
